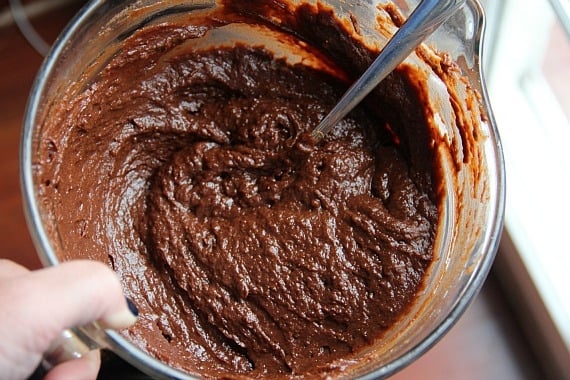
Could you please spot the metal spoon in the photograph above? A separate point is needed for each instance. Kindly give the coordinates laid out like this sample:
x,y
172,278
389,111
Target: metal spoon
x,y
424,20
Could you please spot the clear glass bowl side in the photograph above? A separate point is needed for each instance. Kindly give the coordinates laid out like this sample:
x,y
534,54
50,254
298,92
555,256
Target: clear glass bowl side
x,y
472,215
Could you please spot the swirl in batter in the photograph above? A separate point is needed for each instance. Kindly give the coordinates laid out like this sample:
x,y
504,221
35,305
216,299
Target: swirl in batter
x,y
249,249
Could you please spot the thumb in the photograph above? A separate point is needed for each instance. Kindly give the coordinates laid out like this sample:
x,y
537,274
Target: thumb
x,y
47,301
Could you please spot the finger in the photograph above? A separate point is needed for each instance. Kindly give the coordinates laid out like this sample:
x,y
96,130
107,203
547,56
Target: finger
x,y
10,269
71,294
84,368
91,291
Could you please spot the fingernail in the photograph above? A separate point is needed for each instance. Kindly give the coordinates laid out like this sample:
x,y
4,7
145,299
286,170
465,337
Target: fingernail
x,y
132,307
122,319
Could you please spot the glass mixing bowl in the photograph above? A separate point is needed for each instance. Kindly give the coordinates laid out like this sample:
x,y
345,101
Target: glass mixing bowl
x,y
472,211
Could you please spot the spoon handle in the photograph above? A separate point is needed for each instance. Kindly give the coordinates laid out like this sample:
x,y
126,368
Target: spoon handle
x,y
424,20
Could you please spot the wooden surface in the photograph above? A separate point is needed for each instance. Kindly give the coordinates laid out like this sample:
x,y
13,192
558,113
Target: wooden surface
x,y
485,344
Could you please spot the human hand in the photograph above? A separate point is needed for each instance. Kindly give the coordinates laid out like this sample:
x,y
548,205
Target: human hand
x,y
36,306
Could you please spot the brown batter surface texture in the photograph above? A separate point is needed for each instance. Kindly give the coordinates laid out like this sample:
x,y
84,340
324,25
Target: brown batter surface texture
x,y
249,249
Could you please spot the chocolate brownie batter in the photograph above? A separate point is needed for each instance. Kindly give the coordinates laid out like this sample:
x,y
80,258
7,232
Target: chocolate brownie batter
x,y
249,249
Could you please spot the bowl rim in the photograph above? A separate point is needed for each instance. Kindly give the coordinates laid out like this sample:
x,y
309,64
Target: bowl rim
x,y
151,366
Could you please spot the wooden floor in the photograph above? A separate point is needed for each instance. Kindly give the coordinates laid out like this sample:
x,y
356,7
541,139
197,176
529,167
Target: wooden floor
x,y
485,344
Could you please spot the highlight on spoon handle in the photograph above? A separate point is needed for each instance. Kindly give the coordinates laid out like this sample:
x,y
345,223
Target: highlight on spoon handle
x,y
424,20
68,346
